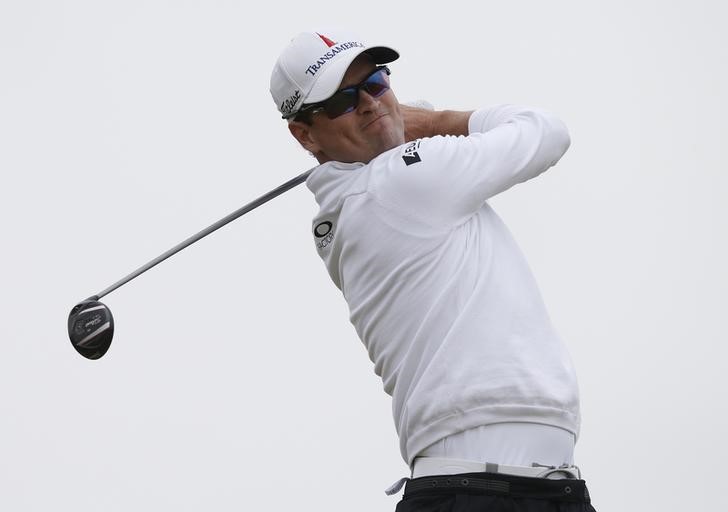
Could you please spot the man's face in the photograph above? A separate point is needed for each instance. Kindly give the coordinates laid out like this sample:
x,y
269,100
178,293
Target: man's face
x,y
372,128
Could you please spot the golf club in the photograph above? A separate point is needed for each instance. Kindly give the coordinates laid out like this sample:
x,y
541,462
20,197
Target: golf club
x,y
90,323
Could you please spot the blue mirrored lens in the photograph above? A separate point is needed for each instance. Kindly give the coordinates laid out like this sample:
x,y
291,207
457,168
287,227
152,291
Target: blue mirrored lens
x,y
346,100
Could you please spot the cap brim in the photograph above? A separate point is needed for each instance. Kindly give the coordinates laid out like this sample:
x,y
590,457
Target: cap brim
x,y
330,80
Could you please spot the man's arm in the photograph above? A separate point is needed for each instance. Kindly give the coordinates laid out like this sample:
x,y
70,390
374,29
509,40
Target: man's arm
x,y
420,123
449,177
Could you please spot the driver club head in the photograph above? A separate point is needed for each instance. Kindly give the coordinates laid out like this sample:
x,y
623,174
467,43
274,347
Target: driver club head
x,y
91,328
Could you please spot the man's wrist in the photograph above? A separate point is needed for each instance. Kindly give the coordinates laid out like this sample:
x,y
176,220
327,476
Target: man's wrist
x,y
450,122
421,123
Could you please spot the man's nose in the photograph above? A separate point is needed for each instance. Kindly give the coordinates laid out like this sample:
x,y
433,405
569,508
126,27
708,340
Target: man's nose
x,y
367,102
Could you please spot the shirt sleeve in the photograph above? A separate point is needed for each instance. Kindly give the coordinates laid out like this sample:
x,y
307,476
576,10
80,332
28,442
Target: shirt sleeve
x,y
444,180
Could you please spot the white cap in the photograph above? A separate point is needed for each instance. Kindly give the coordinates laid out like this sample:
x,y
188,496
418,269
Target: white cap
x,y
311,67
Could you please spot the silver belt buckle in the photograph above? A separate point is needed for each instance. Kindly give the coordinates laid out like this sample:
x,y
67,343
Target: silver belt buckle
x,y
565,470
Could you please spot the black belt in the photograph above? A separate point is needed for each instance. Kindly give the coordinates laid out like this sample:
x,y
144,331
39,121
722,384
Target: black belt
x,y
500,485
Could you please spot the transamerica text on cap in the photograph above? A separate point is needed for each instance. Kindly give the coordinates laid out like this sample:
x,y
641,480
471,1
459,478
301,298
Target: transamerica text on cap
x,y
313,68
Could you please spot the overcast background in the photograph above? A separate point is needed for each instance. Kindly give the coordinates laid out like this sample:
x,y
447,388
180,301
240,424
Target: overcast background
x,y
235,381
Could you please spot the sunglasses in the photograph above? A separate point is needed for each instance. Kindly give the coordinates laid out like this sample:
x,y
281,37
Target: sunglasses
x,y
346,100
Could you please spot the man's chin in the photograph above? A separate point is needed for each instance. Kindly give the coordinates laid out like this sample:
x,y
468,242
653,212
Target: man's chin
x,y
391,139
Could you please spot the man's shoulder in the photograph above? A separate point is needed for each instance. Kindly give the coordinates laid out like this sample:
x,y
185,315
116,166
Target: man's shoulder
x,y
332,181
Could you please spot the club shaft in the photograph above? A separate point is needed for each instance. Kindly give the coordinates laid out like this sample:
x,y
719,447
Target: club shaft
x,y
214,227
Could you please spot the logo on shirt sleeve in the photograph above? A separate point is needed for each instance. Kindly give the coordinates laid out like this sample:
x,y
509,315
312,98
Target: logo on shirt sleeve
x,y
411,156
324,233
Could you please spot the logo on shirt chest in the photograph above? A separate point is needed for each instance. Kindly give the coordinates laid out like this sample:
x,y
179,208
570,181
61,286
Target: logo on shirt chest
x,y
324,233
411,156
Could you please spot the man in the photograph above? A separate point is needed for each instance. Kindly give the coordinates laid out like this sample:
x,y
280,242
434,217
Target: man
x,y
485,399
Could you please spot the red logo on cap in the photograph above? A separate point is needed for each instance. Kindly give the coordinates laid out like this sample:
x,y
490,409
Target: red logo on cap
x,y
326,40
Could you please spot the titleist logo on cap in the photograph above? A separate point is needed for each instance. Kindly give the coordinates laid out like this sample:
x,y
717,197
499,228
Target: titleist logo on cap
x,y
290,103
338,48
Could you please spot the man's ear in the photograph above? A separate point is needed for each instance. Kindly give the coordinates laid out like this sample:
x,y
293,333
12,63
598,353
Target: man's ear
x,y
302,133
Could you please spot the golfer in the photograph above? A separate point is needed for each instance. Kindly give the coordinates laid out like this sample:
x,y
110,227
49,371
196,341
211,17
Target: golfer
x,y
485,398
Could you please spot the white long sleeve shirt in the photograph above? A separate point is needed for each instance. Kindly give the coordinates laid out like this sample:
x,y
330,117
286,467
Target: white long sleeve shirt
x,y
438,290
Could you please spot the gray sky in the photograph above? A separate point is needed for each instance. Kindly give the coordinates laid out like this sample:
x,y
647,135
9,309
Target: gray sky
x,y
235,381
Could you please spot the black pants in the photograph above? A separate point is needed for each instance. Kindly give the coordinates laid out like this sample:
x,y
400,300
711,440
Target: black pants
x,y
493,492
